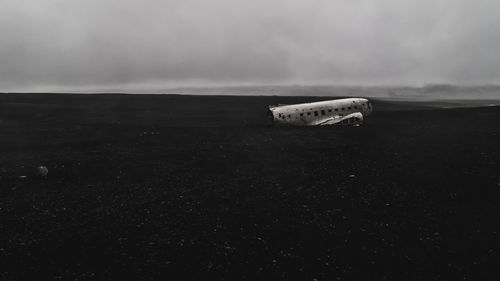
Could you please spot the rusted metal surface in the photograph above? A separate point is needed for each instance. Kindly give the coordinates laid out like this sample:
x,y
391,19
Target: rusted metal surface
x,y
350,111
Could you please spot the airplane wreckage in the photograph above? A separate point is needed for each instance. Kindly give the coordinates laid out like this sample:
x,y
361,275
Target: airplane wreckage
x,y
350,111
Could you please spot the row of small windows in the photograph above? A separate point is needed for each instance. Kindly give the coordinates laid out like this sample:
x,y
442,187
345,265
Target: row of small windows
x,y
323,111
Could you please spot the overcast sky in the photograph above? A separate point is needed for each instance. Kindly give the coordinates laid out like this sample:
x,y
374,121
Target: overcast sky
x,y
78,44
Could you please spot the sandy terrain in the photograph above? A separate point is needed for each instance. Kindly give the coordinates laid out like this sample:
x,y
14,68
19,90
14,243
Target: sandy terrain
x,y
184,187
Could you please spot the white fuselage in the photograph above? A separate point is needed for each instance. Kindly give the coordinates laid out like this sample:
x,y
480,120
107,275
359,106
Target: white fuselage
x,y
319,113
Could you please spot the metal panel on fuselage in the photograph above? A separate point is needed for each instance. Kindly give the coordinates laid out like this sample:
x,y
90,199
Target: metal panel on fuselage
x,y
311,113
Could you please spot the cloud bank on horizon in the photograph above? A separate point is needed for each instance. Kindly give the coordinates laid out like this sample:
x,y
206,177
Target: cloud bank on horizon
x,y
118,43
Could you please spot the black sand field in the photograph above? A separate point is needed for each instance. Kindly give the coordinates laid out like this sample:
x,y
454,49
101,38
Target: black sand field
x,y
189,187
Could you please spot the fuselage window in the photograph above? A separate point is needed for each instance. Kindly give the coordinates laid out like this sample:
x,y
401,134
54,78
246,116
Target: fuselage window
x,y
289,116
315,113
343,108
336,109
329,110
349,107
308,113
356,107
323,112
302,114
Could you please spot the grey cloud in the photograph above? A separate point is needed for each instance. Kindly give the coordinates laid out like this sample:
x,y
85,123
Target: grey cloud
x,y
111,42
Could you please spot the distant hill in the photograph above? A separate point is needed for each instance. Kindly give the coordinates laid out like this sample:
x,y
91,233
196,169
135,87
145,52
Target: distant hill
x,y
428,92
431,91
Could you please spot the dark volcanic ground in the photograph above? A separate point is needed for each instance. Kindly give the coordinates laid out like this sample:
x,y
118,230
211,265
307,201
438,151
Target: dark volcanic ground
x,y
190,187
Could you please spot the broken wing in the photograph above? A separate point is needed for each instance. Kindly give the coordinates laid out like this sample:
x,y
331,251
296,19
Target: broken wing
x,y
350,119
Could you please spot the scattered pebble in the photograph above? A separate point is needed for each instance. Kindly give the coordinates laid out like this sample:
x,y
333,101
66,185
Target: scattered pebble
x,y
41,171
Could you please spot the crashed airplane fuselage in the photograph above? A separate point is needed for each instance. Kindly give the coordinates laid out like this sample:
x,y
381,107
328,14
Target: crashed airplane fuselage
x,y
350,111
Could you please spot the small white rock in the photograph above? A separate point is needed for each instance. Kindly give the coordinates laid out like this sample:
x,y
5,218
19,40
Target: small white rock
x,y
42,171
